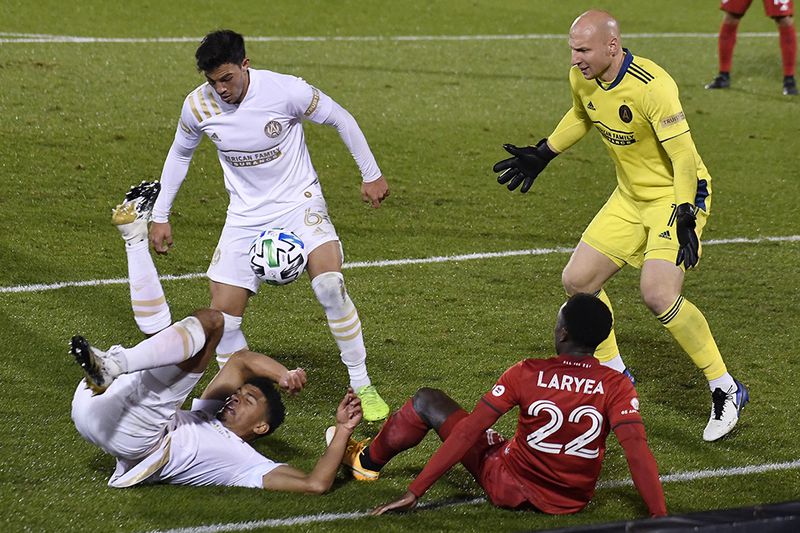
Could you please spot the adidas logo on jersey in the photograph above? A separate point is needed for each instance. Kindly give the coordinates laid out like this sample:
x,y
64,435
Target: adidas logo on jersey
x,y
591,106
215,137
665,235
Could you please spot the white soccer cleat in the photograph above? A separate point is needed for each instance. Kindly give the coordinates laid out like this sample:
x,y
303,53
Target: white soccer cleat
x,y
101,368
132,215
725,409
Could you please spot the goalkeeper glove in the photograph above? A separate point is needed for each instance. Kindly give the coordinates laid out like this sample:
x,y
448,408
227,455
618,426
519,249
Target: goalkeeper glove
x,y
526,164
687,237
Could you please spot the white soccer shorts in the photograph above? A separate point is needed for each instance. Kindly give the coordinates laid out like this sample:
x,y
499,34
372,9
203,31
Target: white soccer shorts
x,y
231,262
131,417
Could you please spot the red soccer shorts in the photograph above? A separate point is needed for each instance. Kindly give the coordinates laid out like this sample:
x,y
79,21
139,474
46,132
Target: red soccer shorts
x,y
485,462
773,8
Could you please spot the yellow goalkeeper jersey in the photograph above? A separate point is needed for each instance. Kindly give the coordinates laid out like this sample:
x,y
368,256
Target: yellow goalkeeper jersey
x,y
635,113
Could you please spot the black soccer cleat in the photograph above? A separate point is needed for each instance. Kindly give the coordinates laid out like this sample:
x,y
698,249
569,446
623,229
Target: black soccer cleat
x,y
789,86
132,215
144,196
722,81
100,368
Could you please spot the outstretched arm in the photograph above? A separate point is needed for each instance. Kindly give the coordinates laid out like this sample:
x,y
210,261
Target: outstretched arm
x,y
245,365
528,162
642,465
289,479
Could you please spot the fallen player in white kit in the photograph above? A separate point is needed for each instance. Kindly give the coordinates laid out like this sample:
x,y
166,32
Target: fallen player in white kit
x,y
128,403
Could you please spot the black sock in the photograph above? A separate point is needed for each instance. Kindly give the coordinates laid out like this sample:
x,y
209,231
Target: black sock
x,y
367,462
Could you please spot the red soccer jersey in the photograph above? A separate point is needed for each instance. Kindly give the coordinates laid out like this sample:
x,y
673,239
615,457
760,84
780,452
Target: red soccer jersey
x,y
567,406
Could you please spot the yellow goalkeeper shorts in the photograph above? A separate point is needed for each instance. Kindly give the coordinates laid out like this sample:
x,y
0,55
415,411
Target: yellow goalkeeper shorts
x,y
629,232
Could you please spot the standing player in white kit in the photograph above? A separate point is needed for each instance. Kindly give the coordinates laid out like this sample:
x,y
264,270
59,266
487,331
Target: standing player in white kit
x,y
254,117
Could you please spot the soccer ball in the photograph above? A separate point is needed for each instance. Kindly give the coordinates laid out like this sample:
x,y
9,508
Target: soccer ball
x,y
277,256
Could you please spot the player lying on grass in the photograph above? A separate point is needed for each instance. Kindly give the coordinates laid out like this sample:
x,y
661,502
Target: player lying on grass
x,y
567,406
129,402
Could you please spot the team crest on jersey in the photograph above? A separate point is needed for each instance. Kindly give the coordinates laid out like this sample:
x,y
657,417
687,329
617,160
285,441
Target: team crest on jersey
x,y
272,129
625,113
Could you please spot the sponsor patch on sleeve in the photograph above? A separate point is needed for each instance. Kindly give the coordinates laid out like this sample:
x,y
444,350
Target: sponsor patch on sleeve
x,y
314,102
673,119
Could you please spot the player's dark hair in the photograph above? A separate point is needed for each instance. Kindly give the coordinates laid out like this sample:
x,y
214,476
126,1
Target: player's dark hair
x,y
220,47
587,319
276,412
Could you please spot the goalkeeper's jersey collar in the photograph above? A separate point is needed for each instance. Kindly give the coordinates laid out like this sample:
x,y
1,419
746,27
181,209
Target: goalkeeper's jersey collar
x,y
626,62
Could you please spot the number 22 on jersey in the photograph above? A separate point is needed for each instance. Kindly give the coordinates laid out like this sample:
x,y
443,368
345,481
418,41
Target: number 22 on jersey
x,y
578,445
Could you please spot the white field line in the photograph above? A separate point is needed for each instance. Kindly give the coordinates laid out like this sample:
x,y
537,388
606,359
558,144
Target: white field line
x,y
11,37
41,287
329,517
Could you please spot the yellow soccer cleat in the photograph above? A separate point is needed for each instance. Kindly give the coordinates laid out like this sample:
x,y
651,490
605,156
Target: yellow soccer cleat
x,y
375,409
352,457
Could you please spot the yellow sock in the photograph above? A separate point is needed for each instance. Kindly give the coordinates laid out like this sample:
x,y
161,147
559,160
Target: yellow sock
x,y
607,349
689,328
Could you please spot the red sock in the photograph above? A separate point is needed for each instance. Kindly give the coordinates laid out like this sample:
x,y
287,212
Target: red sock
x,y
727,40
404,430
788,48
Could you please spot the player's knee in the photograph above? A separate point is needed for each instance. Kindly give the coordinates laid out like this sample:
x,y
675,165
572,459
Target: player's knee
x,y
426,399
433,406
784,21
658,299
566,282
329,289
211,320
731,18
575,282
196,327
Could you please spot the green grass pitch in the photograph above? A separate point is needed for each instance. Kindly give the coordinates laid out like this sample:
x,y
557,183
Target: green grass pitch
x,y
81,121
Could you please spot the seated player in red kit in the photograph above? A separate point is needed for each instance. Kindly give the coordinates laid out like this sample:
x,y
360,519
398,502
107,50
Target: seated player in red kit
x,y
567,406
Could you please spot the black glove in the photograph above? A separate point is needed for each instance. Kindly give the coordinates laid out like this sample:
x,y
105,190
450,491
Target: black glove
x,y
687,237
526,164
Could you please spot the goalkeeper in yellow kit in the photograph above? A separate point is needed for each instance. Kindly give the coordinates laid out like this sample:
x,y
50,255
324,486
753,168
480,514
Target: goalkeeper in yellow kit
x,y
654,218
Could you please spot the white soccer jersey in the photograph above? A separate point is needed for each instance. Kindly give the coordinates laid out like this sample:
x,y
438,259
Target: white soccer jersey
x,y
202,452
261,146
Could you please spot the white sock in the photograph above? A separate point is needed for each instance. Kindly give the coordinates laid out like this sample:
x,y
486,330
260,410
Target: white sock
x,y
150,308
724,382
616,363
232,340
171,346
344,324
